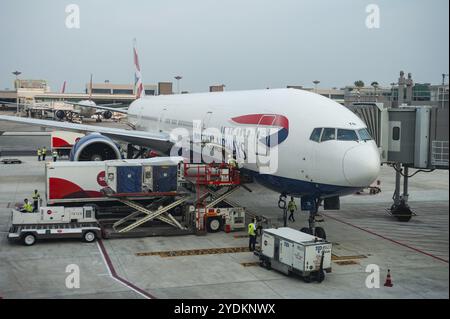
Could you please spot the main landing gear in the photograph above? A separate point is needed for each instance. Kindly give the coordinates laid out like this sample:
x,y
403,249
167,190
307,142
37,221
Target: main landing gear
x,y
314,218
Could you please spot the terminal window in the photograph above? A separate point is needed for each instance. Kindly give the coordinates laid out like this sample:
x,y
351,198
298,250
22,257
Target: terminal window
x,y
101,91
122,91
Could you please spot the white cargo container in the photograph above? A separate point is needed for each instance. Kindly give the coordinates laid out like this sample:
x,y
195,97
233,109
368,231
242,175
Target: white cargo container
x,y
291,251
69,182
66,181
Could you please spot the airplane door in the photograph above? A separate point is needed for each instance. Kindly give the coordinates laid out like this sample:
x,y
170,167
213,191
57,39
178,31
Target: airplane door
x,y
206,120
162,119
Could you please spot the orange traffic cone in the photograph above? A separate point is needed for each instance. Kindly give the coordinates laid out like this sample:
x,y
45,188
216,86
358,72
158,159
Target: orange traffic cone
x,y
388,282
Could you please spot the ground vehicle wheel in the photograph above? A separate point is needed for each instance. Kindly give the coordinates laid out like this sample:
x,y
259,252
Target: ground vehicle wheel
x,y
320,276
29,239
306,230
320,232
213,224
89,236
307,279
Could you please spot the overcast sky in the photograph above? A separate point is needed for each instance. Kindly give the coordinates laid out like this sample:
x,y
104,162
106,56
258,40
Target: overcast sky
x,y
245,44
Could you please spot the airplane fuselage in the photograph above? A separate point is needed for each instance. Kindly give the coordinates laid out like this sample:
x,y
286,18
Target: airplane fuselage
x,y
324,165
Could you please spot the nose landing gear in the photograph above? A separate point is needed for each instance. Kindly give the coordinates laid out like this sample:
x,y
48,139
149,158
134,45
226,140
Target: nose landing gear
x,y
282,205
314,218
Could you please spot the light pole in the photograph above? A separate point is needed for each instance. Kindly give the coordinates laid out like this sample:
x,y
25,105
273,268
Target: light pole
x,y
17,73
178,78
316,82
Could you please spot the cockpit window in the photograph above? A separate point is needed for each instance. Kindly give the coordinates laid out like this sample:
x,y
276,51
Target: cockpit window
x,y
346,135
328,134
364,134
315,135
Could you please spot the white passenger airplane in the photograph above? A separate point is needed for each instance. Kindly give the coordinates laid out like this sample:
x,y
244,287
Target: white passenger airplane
x,y
324,149
88,108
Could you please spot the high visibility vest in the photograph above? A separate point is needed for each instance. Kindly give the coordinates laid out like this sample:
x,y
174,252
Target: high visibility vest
x,y
55,154
39,152
36,196
251,229
44,151
28,207
292,205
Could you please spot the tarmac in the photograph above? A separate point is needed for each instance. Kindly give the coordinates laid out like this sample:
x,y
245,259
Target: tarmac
x,y
362,233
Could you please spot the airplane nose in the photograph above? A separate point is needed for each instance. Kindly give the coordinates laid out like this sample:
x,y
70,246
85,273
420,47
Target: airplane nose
x,y
361,165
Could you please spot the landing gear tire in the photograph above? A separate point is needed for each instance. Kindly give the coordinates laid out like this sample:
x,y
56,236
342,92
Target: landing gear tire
x,y
402,212
320,232
306,230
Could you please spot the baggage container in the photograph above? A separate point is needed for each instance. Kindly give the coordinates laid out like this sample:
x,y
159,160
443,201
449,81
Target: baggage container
x,y
291,251
124,177
72,180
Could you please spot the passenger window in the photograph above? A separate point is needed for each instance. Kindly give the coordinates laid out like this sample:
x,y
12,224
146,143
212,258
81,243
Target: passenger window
x,y
315,136
328,134
346,135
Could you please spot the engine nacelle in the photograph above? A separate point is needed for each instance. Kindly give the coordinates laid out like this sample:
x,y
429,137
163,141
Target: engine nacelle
x,y
107,115
60,114
95,147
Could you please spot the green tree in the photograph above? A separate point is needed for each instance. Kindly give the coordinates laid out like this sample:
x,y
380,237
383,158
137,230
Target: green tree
x,y
359,84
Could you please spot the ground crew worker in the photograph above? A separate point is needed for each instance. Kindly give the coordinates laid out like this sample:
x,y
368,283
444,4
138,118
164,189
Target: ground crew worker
x,y
27,208
36,198
55,156
292,207
232,162
251,236
44,153
39,152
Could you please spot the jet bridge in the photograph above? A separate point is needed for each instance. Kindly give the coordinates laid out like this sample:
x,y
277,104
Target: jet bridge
x,y
408,137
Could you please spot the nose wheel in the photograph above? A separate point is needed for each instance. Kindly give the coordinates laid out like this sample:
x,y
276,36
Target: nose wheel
x,y
313,219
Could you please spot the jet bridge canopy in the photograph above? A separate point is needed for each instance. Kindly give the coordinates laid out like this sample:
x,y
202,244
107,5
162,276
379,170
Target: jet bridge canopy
x,y
416,136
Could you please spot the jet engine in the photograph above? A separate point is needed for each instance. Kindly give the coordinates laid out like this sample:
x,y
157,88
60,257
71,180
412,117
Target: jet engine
x,y
60,114
95,147
107,115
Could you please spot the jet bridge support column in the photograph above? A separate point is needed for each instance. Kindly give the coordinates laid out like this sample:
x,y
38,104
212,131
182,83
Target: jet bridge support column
x,y
400,208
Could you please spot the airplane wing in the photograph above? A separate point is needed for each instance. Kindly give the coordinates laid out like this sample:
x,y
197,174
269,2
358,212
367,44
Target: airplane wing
x,y
157,141
14,103
102,107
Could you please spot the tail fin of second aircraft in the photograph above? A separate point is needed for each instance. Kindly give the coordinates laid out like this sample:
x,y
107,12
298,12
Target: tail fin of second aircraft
x,y
63,89
138,83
